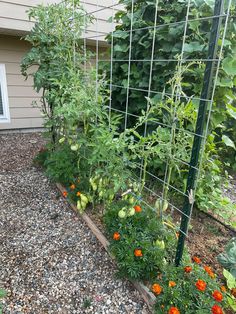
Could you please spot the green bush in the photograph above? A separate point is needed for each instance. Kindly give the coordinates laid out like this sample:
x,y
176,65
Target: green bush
x,y
61,165
141,231
188,289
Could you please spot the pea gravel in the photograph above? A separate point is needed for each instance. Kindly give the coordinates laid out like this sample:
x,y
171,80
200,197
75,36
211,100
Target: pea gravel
x,y
50,262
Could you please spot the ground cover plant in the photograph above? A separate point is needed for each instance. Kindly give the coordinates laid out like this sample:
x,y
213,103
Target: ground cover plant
x,y
95,159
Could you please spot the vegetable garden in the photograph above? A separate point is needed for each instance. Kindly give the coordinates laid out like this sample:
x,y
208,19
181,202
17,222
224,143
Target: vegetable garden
x,y
145,136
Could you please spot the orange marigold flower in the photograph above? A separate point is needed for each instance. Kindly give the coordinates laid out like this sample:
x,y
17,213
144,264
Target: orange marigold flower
x,y
196,260
65,194
156,288
78,193
173,310
188,269
201,285
211,274
72,187
216,309
217,295
208,269
138,208
116,236
172,284
223,289
138,253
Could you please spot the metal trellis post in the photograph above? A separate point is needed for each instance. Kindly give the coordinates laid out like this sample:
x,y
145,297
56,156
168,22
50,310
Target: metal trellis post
x,y
201,120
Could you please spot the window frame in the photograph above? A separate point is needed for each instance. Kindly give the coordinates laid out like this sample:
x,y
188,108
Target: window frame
x,y
5,118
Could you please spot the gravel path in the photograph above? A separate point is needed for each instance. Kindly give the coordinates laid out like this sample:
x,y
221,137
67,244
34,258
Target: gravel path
x,y
50,262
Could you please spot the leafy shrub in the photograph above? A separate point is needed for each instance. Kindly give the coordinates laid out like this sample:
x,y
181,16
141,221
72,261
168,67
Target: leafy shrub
x,y
56,34
141,243
61,165
189,289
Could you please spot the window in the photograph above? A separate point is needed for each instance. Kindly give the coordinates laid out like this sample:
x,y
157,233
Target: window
x,y
4,107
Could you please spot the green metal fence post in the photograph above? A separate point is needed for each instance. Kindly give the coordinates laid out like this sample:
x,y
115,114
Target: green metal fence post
x,y
206,94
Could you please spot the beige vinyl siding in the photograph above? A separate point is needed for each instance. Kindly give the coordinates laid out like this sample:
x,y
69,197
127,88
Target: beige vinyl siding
x,y
14,23
14,18
20,92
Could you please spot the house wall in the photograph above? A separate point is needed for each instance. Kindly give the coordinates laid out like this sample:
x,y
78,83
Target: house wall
x,y
13,24
14,19
20,92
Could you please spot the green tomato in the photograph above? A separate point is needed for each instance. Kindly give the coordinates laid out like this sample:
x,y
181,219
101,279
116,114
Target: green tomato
x,y
62,140
111,196
84,198
94,186
160,205
100,183
79,206
74,148
122,214
160,244
131,200
83,205
131,212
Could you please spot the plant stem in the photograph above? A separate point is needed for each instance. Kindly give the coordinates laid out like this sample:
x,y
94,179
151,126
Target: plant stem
x,y
144,173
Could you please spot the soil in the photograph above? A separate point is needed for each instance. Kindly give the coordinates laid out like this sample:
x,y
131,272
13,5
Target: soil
x,y
207,239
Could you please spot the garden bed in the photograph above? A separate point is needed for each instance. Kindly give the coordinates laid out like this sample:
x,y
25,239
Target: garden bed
x,y
146,294
206,240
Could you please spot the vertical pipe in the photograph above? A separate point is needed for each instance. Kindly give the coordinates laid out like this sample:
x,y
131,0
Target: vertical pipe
x,y
206,94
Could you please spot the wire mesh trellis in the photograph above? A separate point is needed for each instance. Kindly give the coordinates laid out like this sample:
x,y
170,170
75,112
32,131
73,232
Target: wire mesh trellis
x,y
218,23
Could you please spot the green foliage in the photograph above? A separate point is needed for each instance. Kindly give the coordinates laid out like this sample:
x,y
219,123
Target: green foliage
x,y
139,231
41,157
56,52
228,258
184,295
61,165
107,159
168,45
231,284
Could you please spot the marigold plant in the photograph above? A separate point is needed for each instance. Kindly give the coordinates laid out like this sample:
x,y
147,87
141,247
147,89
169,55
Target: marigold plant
x,y
146,245
189,290
116,236
156,288
173,310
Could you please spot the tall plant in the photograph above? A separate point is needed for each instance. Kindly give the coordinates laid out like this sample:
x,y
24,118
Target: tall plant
x,y
55,55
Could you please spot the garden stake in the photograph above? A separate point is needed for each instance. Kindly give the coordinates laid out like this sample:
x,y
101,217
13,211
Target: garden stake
x,y
201,119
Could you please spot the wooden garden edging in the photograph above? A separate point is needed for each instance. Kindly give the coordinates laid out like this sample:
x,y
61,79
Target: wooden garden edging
x,y
146,294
